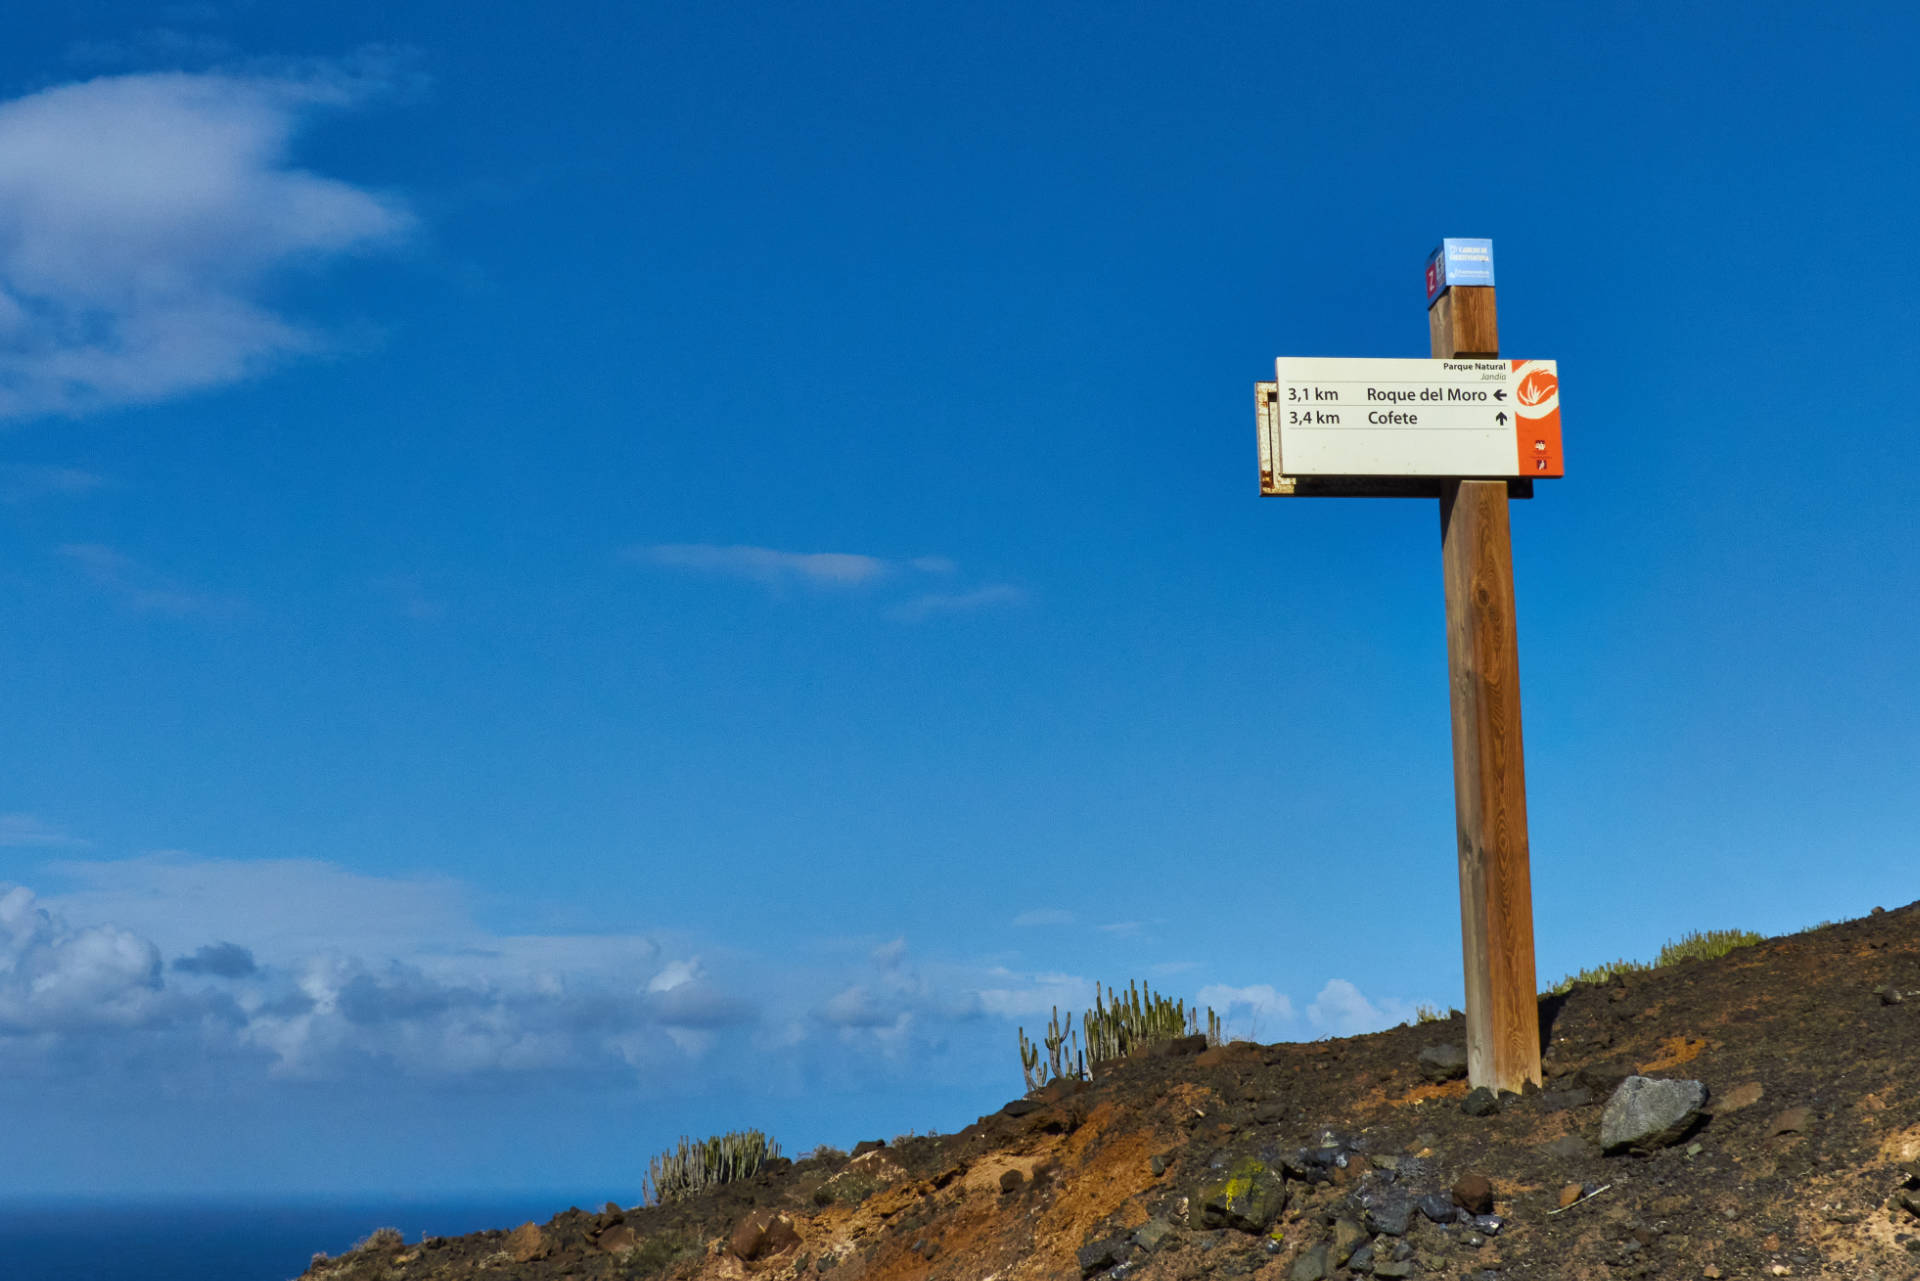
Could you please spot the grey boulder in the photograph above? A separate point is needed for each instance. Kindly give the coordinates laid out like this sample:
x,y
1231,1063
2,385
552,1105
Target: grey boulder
x,y
1648,1113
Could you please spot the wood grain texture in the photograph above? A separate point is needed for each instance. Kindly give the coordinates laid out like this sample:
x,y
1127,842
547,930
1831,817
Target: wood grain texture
x,y
1464,322
1489,771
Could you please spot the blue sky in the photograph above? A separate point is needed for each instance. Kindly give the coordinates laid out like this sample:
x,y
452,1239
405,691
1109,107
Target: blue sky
x,y
578,575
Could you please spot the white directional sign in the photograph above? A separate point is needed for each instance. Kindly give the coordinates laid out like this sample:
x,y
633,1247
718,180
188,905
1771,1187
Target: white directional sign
x,y
1336,418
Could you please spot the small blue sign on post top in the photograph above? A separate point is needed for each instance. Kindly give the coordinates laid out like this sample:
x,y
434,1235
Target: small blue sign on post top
x,y
1458,262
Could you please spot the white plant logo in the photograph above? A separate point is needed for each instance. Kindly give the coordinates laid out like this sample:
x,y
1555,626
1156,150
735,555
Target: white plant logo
x,y
1536,389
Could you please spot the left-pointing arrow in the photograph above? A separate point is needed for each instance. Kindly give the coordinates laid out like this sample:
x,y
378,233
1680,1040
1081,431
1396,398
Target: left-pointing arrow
x,y
1499,395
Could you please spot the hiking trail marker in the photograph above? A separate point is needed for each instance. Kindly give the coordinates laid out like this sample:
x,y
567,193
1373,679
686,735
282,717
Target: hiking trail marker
x,y
1470,429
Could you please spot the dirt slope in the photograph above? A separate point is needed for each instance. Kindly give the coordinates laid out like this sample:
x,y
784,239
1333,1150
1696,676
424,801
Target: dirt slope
x,y
1808,1044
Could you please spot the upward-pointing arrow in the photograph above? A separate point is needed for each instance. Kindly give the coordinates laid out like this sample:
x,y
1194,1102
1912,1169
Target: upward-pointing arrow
x,y
1501,417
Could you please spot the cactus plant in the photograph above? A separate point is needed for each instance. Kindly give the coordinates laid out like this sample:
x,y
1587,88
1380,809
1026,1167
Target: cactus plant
x,y
694,1167
1115,1027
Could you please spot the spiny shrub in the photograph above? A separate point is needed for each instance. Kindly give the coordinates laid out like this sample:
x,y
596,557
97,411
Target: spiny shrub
x,y
1602,973
1115,1027
694,1167
381,1239
1698,945
1705,946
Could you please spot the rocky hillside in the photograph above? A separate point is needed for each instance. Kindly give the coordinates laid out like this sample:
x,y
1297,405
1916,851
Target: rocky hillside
x,y
1752,1116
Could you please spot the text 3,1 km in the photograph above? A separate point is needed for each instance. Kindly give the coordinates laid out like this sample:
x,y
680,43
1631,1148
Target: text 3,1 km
x,y
1299,394
1312,418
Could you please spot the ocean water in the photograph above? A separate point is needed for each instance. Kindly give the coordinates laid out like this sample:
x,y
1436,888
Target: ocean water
x,y
227,1241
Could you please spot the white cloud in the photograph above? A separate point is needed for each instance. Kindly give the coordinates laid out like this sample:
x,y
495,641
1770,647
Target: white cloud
x,y
1260,1001
54,977
137,586
281,908
1010,995
145,217
930,604
21,482
1341,1010
24,830
767,564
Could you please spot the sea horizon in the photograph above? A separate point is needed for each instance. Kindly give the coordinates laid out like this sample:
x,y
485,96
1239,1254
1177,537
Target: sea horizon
x,y
235,1237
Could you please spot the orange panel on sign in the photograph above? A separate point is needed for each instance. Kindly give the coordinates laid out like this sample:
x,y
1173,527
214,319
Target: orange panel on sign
x,y
1536,417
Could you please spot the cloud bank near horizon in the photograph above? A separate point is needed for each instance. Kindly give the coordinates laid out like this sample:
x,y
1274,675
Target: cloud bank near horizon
x,y
302,970
145,220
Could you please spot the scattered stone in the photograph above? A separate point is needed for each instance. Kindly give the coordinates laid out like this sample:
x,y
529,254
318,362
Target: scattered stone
x,y
1158,1164
762,1233
1489,1224
1565,1100
1712,1272
1791,1121
1889,995
1361,1261
1744,1095
1438,1207
1391,1215
1103,1254
1603,1078
1348,1236
1249,1197
1311,1265
527,1243
618,1239
1569,1194
1153,1234
1480,1101
1649,1113
1393,1269
1011,1180
1569,1147
1441,1063
1473,1239
1908,1202
1174,1047
1474,1194
1019,1107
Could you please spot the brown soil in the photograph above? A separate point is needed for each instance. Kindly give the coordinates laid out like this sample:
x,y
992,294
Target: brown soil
x,y
1794,1021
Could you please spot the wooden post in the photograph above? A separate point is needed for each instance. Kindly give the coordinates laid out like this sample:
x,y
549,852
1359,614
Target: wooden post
x,y
1489,774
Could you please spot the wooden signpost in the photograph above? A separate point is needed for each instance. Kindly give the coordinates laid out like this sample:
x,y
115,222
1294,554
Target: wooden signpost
x,y
1471,430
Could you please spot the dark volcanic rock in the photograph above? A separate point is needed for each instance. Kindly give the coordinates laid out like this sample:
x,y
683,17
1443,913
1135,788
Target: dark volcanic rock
x,y
1249,1195
1561,1100
1603,1078
1391,1215
1443,1062
1153,1234
1348,1237
1311,1265
1480,1102
1103,1254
